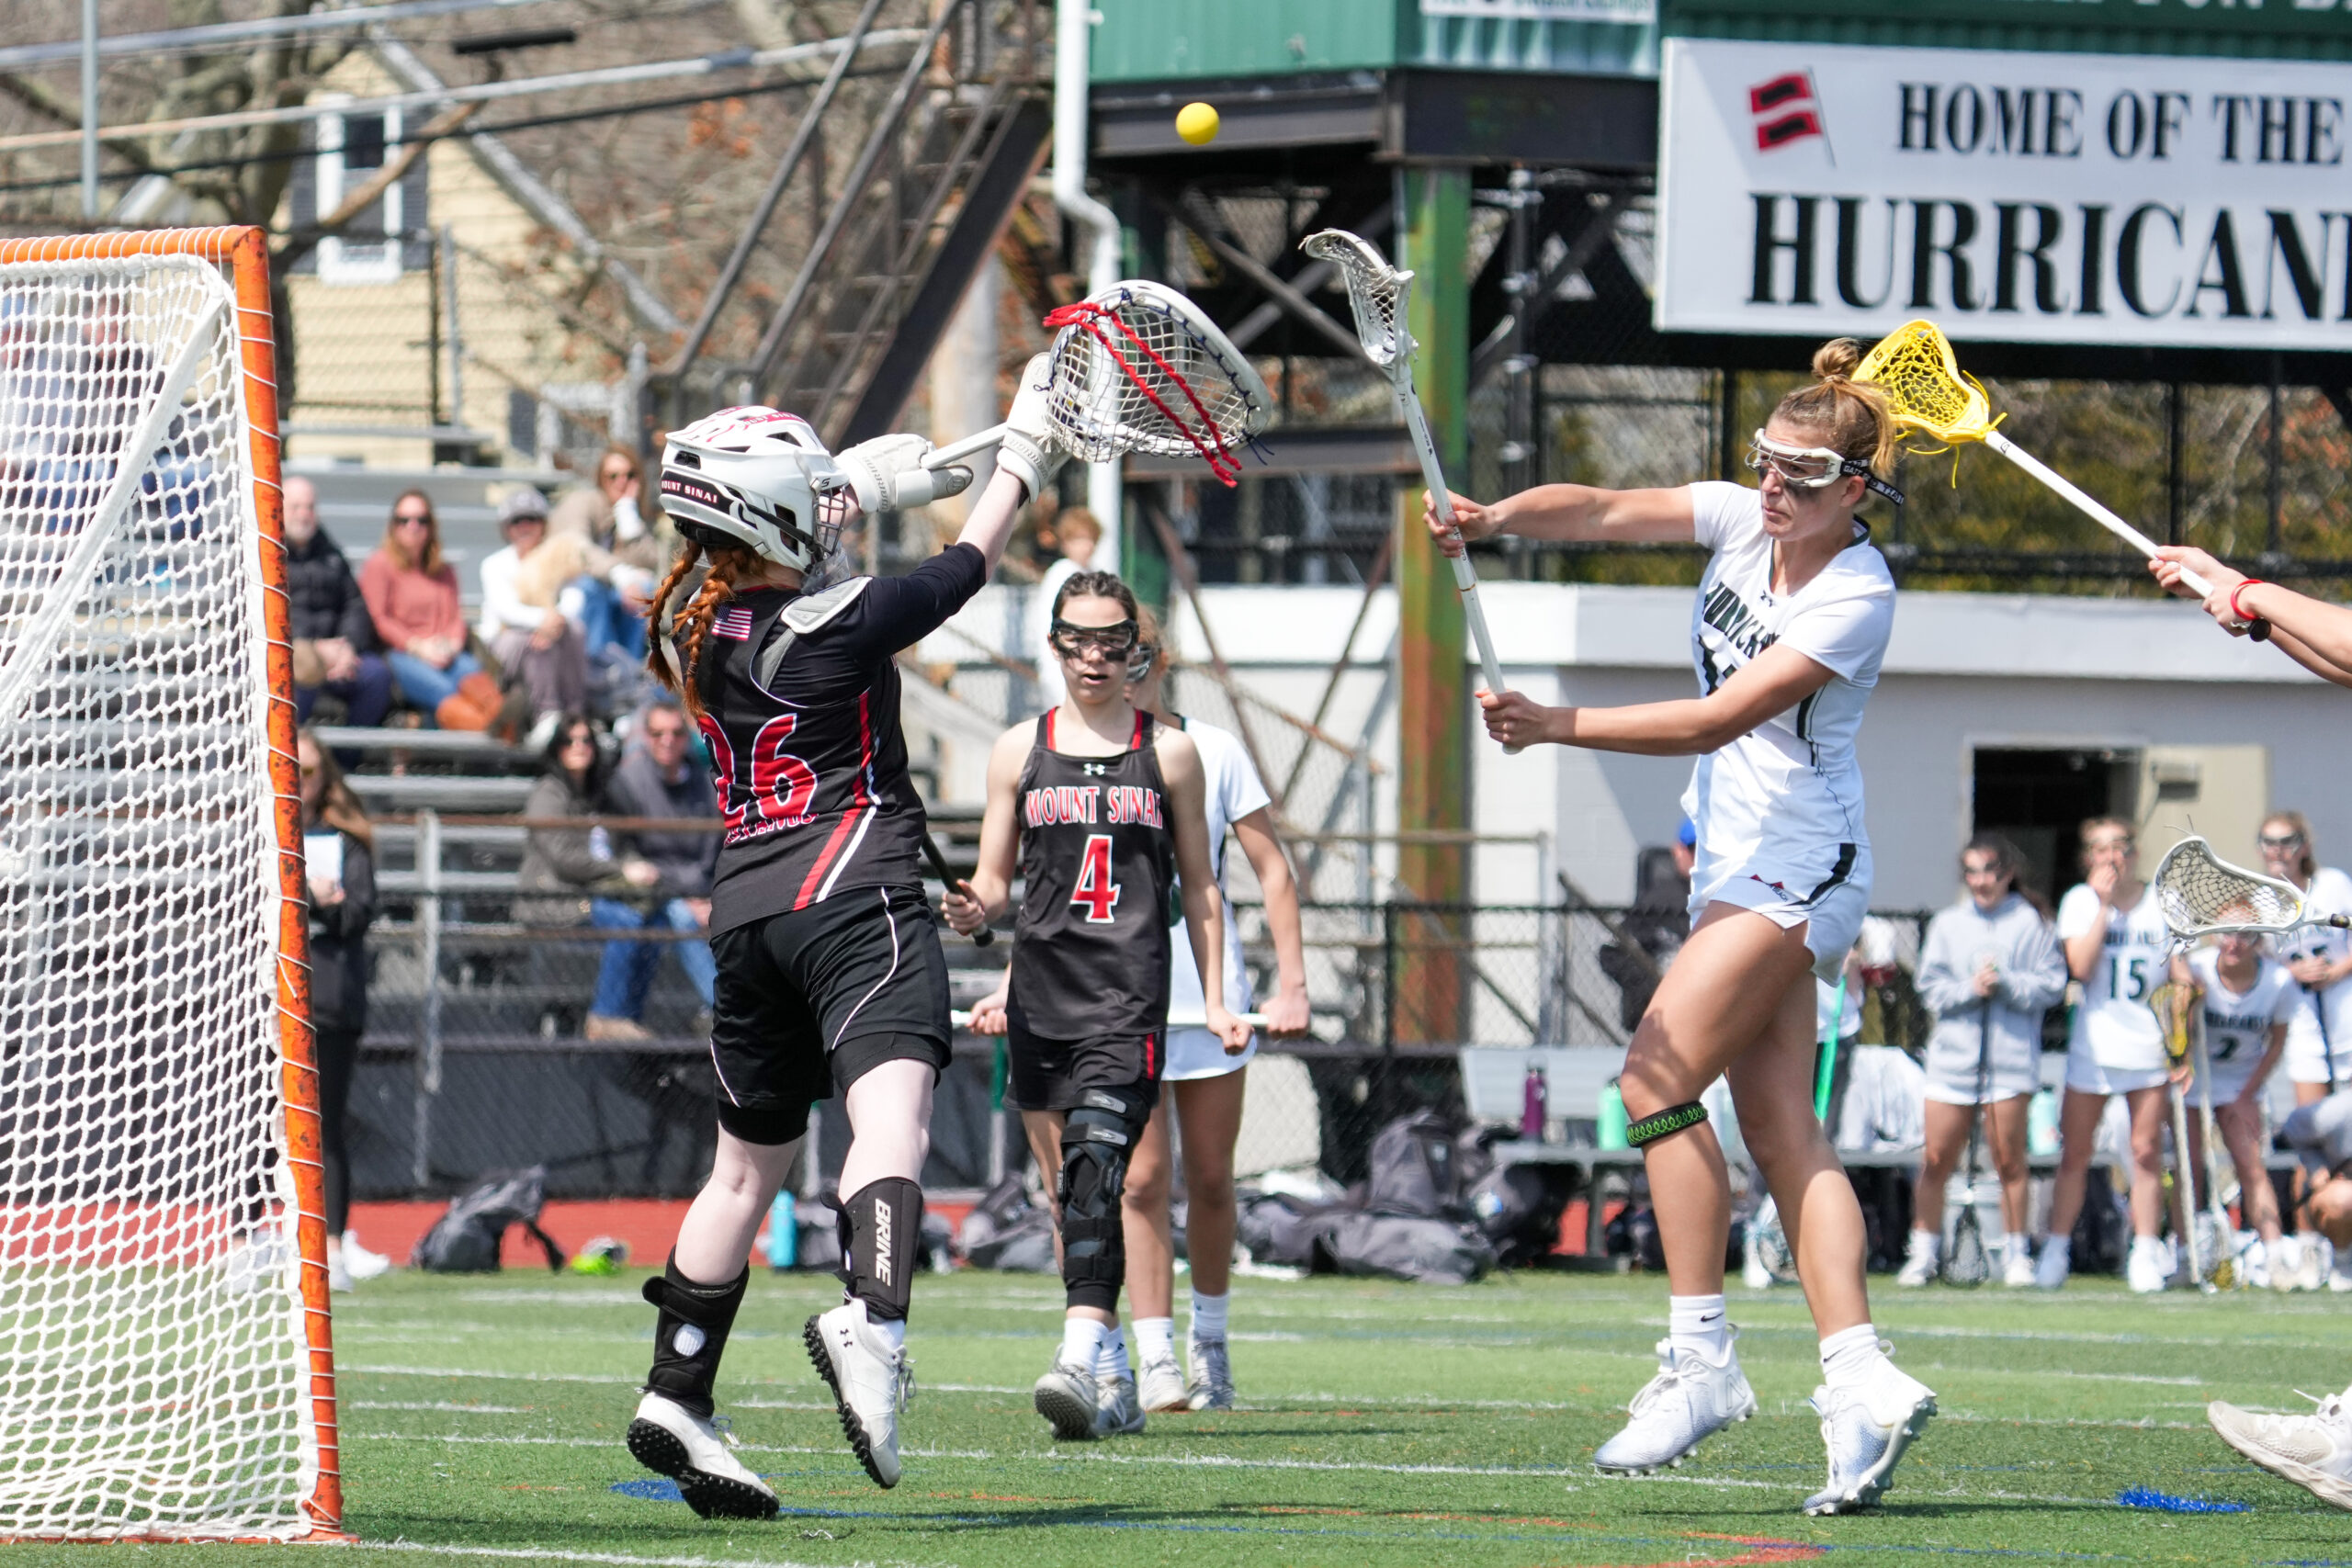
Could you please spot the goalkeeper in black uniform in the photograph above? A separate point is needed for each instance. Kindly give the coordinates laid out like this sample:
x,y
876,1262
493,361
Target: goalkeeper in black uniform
x,y
1106,805
829,973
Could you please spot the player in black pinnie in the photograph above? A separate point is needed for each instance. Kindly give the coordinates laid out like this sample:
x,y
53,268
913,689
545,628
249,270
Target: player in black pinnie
x,y
1107,805
829,973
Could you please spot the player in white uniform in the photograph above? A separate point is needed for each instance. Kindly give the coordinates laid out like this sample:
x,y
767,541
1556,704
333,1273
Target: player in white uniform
x,y
2319,1042
1206,1083
2120,949
2248,999
1788,631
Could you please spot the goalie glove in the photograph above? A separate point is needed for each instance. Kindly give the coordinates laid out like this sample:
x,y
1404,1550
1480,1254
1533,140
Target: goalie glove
x,y
888,475
1030,451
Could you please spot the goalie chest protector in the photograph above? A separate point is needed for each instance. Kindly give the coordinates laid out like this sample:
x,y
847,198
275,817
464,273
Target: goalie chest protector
x,y
1098,865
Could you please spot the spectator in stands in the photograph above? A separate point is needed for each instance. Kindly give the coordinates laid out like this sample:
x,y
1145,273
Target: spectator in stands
x,y
570,876
1990,967
341,883
1077,534
411,596
334,639
599,566
661,775
522,621
613,513
1655,927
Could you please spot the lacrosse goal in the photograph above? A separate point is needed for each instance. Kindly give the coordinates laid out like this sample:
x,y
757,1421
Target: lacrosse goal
x,y
166,1371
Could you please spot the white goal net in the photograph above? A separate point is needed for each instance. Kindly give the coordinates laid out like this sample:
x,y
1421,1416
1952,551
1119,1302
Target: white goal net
x,y
163,1358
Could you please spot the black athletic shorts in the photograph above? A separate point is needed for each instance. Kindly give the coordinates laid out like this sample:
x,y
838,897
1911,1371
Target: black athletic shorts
x,y
810,1000
1053,1075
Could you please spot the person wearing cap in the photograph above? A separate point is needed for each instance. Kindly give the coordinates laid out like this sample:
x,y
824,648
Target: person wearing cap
x,y
521,619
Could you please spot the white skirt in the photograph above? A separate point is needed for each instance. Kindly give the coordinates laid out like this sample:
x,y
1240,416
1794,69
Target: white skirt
x,y
1832,919
1197,1054
2086,1076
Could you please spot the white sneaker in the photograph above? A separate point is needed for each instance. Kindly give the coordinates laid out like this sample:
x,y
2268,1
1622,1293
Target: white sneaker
x,y
1866,1427
1921,1257
338,1276
2149,1265
2016,1273
2339,1272
360,1263
2050,1268
2313,1451
1212,1384
1754,1272
1067,1397
257,1263
872,1381
2286,1261
1117,1412
1160,1386
1689,1401
2311,1266
697,1452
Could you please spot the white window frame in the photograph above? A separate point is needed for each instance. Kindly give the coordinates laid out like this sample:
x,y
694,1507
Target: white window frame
x,y
357,261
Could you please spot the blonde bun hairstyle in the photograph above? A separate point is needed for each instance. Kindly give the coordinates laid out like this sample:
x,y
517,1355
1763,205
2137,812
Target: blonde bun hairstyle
x,y
1849,417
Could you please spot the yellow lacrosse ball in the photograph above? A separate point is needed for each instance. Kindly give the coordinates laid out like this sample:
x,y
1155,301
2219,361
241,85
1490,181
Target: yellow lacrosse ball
x,y
1197,123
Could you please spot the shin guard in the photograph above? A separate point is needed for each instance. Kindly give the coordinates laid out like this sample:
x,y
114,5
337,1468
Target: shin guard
x,y
691,1335
881,1230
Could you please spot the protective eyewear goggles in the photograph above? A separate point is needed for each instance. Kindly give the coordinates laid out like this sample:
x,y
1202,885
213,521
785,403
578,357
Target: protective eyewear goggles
x,y
1116,640
1811,468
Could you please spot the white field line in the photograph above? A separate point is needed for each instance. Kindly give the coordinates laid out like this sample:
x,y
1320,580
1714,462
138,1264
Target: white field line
x,y
550,1554
361,1370
438,1405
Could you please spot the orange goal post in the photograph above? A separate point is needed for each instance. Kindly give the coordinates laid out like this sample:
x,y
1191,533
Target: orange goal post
x,y
167,1363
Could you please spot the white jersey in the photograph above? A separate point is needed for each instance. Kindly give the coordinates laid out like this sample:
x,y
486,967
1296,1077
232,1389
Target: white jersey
x,y
1782,804
2238,1024
1232,790
2113,1025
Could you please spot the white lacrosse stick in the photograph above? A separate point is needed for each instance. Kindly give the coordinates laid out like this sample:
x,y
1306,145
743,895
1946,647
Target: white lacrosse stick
x,y
1138,367
1379,294
962,1019
2201,894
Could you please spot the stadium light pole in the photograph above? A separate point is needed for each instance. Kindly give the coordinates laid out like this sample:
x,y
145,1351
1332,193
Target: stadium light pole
x,y
1073,37
90,108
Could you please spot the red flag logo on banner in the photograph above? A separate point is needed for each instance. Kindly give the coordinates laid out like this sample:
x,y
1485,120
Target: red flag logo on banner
x,y
1786,110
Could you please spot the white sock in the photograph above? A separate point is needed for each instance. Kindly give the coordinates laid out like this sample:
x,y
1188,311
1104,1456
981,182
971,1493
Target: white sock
x,y
1699,1323
1111,1361
1209,1315
1082,1341
892,1329
1927,1244
1848,1355
1155,1339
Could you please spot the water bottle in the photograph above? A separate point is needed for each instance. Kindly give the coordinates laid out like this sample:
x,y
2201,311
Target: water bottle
x,y
2042,1124
783,1232
1609,1127
1534,1106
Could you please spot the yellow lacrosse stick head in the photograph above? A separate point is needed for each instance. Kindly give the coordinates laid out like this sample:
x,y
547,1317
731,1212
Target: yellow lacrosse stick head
x,y
1925,386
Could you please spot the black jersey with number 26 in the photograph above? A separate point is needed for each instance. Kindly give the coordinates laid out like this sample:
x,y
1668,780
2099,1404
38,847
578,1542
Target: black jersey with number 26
x,y
811,767
1090,954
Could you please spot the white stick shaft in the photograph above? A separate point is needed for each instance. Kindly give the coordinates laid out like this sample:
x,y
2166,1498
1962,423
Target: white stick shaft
x,y
2097,514
2184,1171
962,1019
1466,577
971,445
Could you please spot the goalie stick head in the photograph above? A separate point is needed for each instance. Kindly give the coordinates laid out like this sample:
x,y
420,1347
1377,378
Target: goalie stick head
x,y
1138,367
2200,893
1377,293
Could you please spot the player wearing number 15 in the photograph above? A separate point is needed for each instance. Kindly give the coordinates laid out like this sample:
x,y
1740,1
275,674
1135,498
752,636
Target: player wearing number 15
x,y
1107,807
2118,946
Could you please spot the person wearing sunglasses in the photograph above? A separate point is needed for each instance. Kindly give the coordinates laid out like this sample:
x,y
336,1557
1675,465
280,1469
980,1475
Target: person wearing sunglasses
x,y
412,595
1788,631
1106,810
2319,1041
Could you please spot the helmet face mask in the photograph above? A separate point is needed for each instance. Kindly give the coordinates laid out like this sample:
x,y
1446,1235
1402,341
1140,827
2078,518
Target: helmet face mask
x,y
755,479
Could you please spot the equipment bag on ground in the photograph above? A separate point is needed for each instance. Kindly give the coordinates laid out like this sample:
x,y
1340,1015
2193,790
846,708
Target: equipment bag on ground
x,y
467,1238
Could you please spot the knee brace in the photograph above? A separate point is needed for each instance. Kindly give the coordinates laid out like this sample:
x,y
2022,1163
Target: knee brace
x,y
881,1228
1672,1120
1098,1140
691,1335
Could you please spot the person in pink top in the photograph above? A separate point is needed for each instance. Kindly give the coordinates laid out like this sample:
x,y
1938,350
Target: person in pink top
x,y
411,593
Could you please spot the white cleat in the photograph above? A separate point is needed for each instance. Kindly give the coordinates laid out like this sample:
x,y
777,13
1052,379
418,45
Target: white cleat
x,y
2016,1273
361,1263
2339,1271
2050,1269
1067,1396
1867,1426
1160,1386
2149,1265
1212,1384
2313,1451
697,1453
872,1381
1689,1401
1117,1412
1921,1258
2312,1263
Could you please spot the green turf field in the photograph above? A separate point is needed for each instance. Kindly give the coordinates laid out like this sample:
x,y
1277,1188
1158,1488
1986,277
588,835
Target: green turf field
x,y
1387,1425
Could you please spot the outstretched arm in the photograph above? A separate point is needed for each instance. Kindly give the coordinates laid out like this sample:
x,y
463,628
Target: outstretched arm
x,y
1773,682
1571,512
2315,635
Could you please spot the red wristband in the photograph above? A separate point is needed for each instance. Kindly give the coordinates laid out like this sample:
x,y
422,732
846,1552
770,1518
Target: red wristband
x,y
2243,614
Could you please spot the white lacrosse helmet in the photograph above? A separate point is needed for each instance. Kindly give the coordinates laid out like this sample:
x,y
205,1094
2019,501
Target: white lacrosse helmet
x,y
756,478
